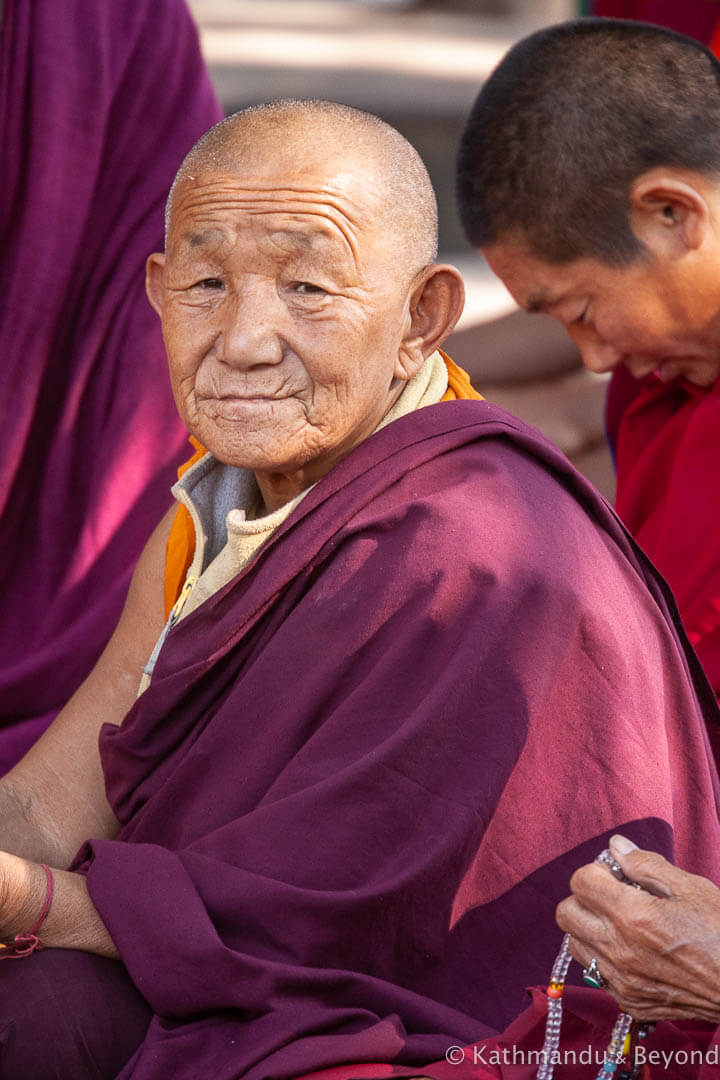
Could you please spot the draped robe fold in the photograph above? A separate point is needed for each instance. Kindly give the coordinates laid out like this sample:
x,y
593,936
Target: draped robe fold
x,y
99,102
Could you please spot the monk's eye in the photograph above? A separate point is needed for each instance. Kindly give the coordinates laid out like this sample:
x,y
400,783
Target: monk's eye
x,y
209,284
581,319
306,288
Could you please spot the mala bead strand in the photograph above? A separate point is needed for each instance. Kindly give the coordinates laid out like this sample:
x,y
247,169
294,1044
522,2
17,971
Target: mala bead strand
x,y
621,1041
617,1047
554,1016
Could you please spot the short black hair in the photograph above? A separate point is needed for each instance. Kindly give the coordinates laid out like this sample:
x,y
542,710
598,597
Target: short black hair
x,y
567,121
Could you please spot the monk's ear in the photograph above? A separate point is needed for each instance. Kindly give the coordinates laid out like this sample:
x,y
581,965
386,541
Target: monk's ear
x,y
436,303
669,212
154,272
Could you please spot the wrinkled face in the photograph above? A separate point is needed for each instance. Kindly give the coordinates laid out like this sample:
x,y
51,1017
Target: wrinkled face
x,y
282,314
654,315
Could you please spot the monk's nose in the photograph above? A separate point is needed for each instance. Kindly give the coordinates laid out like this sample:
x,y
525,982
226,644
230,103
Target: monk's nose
x,y
598,356
252,331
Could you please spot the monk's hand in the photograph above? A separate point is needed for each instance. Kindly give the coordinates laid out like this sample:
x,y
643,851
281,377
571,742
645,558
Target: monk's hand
x,y
658,949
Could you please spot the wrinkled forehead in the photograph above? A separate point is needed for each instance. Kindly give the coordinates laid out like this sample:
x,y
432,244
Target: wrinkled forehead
x,y
329,212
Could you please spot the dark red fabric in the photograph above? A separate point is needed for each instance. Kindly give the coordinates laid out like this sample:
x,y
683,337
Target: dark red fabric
x,y
99,101
622,390
674,1051
668,454
365,770
697,18
67,1015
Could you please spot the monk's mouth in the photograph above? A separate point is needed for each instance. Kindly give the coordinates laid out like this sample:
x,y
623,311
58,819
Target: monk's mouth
x,y
219,399
236,406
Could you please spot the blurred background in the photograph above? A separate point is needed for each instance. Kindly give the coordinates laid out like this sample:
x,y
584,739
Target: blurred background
x,y
419,64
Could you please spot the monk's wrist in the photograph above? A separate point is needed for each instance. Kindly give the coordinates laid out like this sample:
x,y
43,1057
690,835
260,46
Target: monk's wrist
x,y
23,891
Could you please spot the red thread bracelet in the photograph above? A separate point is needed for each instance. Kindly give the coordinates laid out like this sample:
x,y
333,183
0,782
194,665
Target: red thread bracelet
x,y
25,944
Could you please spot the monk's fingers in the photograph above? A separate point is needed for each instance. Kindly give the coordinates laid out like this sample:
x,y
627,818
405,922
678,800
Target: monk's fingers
x,y
597,889
624,943
626,918
592,959
581,922
644,997
597,895
636,932
631,994
599,964
648,869
639,936
584,952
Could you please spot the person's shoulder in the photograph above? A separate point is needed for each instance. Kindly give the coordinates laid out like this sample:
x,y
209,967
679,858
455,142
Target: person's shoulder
x,y
489,487
478,454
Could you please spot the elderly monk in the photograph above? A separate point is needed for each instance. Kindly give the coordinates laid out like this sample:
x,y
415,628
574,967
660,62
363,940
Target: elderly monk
x,y
415,674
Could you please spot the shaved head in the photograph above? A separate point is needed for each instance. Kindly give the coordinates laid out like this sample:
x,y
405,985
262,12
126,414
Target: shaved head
x,y
298,290
569,119
293,135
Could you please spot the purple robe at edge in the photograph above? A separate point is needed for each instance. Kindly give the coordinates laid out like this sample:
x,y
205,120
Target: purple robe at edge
x,y
366,768
99,102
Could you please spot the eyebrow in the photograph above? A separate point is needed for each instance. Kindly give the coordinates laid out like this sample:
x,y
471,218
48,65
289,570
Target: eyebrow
x,y
304,239
295,236
200,239
317,243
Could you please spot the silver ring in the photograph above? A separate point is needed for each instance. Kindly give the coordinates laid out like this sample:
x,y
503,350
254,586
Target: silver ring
x,y
592,976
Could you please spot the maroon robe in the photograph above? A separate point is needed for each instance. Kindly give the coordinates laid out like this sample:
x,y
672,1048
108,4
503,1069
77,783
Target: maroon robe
x,y
366,768
99,103
698,18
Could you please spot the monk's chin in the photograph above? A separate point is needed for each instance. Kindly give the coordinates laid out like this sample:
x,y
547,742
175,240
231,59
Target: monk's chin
x,y
257,451
255,435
